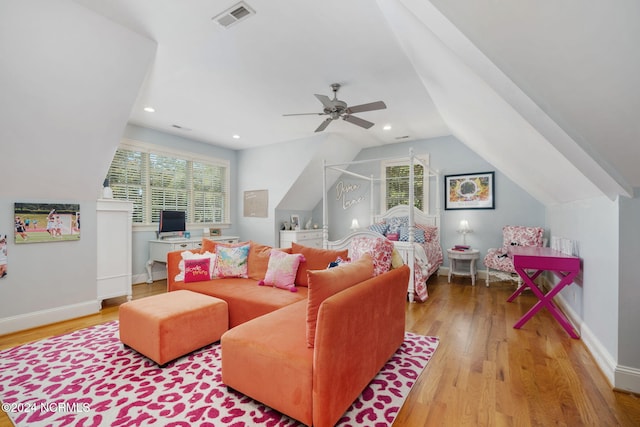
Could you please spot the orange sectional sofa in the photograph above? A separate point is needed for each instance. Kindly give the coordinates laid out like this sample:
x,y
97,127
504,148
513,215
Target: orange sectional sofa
x,y
308,354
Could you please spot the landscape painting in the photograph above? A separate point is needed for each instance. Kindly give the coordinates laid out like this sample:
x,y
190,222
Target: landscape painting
x,y
46,222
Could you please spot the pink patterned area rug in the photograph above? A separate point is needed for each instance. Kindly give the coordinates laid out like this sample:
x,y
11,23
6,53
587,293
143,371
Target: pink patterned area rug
x,y
86,378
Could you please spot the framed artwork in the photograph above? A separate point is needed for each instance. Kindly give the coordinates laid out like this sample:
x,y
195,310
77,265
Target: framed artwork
x,y
256,203
470,191
3,255
295,222
215,232
46,222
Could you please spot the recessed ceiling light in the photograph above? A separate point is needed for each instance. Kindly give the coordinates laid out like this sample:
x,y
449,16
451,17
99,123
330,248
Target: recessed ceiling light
x,y
149,109
387,127
236,136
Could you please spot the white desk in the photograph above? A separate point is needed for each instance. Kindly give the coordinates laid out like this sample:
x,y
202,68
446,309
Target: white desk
x,y
159,248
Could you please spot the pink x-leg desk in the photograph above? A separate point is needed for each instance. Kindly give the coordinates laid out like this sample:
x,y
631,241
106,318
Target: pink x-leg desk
x,y
529,263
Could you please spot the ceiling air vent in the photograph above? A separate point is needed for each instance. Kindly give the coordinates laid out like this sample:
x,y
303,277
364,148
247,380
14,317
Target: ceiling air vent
x,y
234,14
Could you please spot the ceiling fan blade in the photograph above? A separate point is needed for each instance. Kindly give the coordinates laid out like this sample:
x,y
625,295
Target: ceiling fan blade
x,y
305,114
358,121
324,125
326,101
378,105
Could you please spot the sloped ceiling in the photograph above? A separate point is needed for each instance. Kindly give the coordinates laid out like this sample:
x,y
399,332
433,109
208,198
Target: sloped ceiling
x,y
68,80
548,93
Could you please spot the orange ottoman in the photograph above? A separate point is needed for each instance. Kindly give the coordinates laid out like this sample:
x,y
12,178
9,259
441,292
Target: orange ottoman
x,y
166,326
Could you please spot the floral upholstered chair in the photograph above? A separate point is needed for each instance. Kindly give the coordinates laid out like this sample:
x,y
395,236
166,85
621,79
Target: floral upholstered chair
x,y
497,261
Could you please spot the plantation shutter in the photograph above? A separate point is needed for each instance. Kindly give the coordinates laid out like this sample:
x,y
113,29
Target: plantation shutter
x,y
210,190
127,178
156,181
397,186
168,185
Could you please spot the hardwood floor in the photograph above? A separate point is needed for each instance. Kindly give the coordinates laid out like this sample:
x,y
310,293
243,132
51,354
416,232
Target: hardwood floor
x,y
484,372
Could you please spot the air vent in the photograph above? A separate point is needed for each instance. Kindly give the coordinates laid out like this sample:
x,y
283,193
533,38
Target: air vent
x,y
234,14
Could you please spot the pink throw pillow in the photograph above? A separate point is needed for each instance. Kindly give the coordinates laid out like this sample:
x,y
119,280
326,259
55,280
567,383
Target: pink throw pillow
x,y
282,270
196,270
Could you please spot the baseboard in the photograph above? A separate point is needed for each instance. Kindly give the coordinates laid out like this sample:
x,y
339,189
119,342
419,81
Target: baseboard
x,y
45,317
142,278
480,274
620,377
627,379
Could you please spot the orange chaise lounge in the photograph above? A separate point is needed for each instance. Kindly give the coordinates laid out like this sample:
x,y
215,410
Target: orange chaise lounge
x,y
308,354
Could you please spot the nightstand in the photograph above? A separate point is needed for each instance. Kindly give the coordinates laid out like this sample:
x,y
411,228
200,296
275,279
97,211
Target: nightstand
x,y
463,263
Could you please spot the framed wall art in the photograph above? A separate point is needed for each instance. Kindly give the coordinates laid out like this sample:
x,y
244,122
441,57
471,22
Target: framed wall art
x,y
46,222
470,191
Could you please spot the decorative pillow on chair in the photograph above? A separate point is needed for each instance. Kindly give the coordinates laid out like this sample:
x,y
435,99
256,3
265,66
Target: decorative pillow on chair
x,y
379,248
197,270
282,270
186,255
231,261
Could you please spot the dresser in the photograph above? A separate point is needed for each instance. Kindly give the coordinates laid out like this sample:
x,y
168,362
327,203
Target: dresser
x,y
311,238
159,248
114,227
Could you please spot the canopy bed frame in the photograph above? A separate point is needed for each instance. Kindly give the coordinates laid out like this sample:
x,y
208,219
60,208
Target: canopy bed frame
x,y
411,252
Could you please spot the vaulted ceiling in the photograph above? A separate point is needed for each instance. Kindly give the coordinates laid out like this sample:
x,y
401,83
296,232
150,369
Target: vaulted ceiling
x,y
549,93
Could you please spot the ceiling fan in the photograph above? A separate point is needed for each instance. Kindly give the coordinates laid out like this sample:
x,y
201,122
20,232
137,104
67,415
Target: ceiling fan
x,y
335,108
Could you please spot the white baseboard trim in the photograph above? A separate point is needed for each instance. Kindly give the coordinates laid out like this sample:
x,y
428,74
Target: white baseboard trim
x,y
627,379
142,278
45,317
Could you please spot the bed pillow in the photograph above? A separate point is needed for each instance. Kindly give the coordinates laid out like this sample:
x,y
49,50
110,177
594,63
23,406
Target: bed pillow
x,y
328,282
197,270
231,261
379,248
379,227
418,234
430,232
396,222
316,259
282,269
194,255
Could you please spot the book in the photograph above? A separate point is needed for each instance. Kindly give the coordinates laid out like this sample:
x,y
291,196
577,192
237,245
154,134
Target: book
x,y
461,247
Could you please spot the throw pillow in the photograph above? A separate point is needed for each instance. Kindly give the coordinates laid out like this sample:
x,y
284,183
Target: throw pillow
x,y
430,232
379,248
396,259
328,282
418,234
197,270
211,245
316,259
394,237
258,260
282,270
194,255
396,222
231,261
379,227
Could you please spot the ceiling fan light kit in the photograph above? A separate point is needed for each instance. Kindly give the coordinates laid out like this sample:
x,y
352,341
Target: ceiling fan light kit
x,y
335,109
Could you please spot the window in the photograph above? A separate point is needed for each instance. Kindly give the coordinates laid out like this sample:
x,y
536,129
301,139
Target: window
x,y
395,184
155,180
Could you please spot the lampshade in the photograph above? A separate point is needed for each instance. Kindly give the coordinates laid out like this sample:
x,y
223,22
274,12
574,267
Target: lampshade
x,y
464,226
354,224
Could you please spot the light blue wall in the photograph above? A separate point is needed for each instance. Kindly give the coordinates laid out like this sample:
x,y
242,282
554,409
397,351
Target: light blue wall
x,y
449,156
141,238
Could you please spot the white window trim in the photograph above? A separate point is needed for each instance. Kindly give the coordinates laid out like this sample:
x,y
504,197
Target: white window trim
x,y
424,158
135,145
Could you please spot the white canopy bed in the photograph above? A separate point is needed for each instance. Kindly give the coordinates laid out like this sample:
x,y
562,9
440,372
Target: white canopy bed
x,y
419,243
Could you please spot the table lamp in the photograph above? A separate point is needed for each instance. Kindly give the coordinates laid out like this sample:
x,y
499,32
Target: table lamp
x,y
464,229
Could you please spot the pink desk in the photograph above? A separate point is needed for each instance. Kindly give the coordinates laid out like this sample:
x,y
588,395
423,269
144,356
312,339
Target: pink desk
x,y
529,262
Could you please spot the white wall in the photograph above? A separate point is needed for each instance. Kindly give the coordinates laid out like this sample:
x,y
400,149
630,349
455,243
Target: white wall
x,y
628,371
593,301
68,80
449,156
